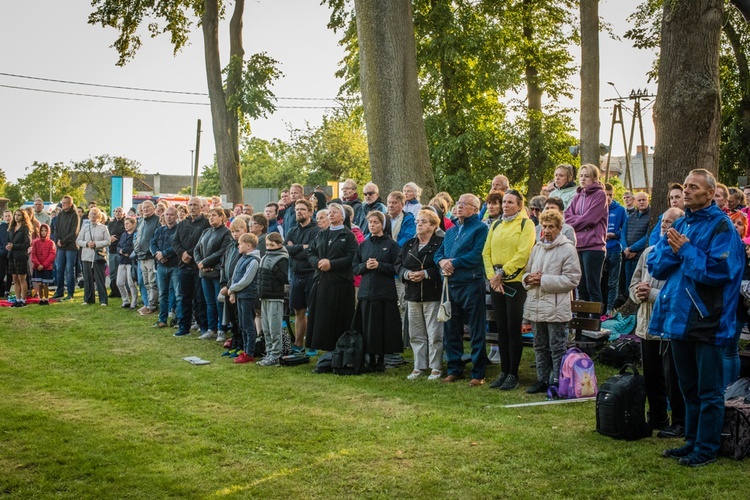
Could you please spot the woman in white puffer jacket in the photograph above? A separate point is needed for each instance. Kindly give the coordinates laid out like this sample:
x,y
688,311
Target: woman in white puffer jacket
x,y
552,273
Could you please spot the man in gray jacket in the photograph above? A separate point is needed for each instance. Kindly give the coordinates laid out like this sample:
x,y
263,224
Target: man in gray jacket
x,y
142,246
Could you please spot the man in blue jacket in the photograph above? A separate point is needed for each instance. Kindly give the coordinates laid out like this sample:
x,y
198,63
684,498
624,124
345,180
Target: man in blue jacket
x,y
617,217
460,259
700,258
634,238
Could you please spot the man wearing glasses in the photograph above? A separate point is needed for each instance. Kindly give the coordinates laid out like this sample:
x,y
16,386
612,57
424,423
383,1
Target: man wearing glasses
x,y
373,201
460,259
349,195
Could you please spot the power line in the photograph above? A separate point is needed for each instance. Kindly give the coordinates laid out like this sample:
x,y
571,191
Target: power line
x,y
140,89
143,100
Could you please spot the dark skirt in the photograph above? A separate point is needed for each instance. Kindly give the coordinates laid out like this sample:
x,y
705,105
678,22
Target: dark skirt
x,y
330,314
18,266
380,324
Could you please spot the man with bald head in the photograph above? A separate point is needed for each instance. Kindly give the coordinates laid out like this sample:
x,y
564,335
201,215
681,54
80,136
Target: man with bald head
x,y
191,293
499,183
166,270
460,260
373,201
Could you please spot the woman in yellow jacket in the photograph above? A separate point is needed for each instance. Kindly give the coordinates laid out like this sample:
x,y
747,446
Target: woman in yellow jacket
x,y
506,251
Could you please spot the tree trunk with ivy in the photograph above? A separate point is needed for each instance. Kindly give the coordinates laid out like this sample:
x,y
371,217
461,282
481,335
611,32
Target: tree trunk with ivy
x,y
687,111
396,136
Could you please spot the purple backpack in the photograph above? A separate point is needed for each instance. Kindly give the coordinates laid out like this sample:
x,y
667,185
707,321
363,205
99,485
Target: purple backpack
x,y
577,377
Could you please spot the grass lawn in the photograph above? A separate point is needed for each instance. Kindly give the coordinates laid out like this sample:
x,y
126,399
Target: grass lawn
x,y
94,403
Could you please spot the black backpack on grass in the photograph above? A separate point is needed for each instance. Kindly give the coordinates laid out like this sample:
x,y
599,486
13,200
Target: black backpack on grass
x,y
621,406
348,358
623,351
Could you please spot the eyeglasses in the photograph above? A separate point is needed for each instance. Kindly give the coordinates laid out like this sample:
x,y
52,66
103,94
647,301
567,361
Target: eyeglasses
x,y
466,204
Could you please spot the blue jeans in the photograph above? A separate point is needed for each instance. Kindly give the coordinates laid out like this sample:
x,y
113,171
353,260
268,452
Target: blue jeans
x,y
66,271
590,286
169,285
732,352
614,258
467,307
246,318
630,265
214,308
700,370
191,300
141,284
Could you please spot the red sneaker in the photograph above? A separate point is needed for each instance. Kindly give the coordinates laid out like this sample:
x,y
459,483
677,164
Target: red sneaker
x,y
244,358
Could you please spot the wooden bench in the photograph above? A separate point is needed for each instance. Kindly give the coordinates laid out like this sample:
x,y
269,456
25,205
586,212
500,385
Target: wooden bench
x,y
581,321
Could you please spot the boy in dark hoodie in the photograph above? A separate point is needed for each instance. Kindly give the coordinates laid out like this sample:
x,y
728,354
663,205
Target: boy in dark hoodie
x,y
272,276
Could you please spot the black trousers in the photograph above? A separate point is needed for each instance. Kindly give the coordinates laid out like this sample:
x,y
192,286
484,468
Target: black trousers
x,y
93,279
508,316
662,388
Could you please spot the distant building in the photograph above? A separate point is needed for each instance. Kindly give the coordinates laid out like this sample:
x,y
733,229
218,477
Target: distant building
x,y
617,169
152,184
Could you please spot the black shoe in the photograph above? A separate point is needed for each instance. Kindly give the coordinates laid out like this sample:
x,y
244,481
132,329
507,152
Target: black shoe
x,y
57,296
697,459
511,382
499,381
680,452
537,388
673,431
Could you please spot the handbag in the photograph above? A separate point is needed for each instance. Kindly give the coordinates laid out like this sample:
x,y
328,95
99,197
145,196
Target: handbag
x,y
444,311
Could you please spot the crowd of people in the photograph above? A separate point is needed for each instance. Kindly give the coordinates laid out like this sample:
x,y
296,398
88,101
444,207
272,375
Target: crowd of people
x,y
380,266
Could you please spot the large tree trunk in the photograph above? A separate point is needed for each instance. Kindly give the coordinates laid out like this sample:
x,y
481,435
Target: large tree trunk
x,y
687,112
396,137
743,108
229,168
537,154
236,51
590,82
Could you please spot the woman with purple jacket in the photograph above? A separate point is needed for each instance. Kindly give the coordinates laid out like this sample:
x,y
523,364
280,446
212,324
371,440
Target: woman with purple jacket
x,y
588,214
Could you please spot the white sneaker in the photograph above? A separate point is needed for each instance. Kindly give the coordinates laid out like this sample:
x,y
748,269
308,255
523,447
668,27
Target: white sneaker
x,y
208,335
414,375
222,336
435,375
268,362
494,356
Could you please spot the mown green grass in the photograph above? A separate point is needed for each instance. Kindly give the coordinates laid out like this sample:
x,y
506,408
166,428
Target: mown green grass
x,y
94,403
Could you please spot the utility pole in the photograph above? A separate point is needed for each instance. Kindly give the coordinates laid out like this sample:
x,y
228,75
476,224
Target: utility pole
x,y
194,187
617,119
637,96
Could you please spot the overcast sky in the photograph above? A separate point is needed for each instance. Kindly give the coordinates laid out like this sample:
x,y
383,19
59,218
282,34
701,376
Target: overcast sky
x,y
60,45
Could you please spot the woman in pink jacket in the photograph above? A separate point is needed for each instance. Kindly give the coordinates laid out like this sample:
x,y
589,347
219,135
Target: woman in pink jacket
x,y
588,214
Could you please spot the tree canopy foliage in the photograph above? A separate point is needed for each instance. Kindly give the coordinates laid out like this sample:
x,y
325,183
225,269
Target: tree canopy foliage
x,y
335,150
243,94
476,63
